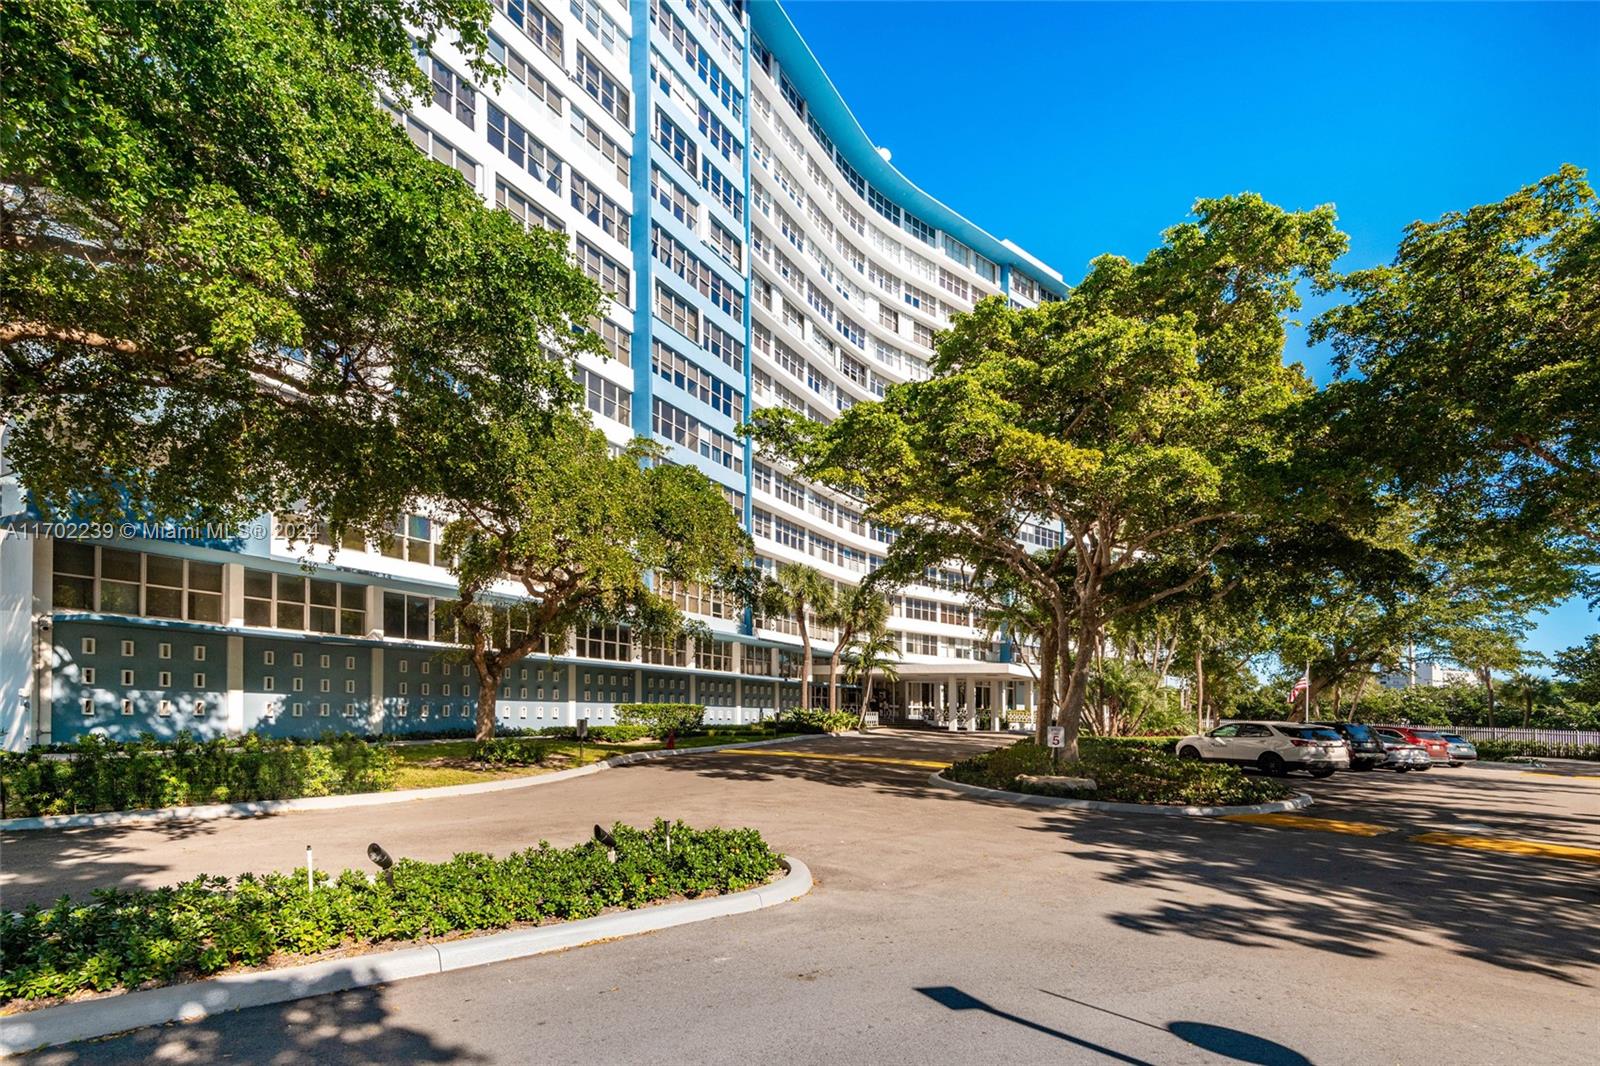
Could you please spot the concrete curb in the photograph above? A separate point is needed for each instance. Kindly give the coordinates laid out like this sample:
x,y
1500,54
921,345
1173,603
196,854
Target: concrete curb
x,y
359,799
1023,799
86,1020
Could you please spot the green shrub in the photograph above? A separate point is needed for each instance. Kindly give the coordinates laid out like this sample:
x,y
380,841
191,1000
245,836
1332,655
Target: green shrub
x,y
511,751
1124,772
96,774
128,937
662,720
1507,749
818,720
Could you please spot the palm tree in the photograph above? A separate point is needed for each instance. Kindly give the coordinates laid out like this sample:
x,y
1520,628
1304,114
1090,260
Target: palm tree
x,y
856,610
1528,689
799,592
875,649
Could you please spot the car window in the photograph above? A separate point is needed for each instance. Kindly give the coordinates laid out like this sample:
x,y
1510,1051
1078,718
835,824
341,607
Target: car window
x,y
1225,731
1356,731
1426,734
1318,733
1250,729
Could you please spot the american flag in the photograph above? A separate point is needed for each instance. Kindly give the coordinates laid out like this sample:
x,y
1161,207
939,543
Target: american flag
x,y
1299,687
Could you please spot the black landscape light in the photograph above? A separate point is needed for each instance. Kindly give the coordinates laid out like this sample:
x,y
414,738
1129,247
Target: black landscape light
x,y
607,841
382,861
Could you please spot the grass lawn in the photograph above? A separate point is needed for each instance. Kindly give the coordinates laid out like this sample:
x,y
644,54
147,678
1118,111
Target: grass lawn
x,y
438,763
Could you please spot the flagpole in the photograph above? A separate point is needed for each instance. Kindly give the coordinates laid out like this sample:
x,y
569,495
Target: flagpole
x,y
1308,690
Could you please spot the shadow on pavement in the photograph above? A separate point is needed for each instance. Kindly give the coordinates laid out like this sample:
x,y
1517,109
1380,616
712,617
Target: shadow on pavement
x,y
1353,896
355,1028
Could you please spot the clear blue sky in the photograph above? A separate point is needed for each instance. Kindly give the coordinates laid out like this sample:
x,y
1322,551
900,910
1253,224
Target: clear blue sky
x,y
1082,128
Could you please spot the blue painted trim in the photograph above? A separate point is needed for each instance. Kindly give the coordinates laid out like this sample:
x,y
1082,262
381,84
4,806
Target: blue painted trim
x,y
639,178
772,24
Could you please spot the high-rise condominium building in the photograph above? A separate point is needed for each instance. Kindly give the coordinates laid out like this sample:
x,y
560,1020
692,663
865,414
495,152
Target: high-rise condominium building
x,y
760,250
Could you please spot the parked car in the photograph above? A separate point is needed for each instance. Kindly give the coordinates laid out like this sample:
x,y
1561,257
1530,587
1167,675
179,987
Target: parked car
x,y
1366,750
1400,756
1272,747
1462,750
1431,742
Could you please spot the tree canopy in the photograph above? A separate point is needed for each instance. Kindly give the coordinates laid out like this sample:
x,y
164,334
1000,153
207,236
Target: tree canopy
x,y
550,531
1476,363
229,284
1141,417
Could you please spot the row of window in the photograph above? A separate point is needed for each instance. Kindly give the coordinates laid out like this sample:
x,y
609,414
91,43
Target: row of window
x,y
688,431
90,577
697,382
670,252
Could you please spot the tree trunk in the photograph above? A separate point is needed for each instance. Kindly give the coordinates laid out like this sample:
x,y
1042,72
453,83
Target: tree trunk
x,y
1488,691
866,697
1077,683
805,664
1338,702
488,693
1527,708
833,675
1045,704
1355,701
1199,691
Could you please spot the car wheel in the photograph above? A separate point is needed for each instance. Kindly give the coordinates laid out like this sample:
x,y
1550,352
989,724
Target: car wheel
x,y
1188,751
1272,763
1419,769
1402,769
1322,771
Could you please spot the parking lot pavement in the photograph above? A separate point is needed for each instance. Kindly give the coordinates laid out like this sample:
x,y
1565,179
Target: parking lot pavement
x,y
948,929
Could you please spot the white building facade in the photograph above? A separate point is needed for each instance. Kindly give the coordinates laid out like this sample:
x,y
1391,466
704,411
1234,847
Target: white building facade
x,y
760,251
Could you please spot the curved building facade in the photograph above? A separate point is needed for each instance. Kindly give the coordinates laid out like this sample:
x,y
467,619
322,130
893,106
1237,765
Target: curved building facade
x,y
760,251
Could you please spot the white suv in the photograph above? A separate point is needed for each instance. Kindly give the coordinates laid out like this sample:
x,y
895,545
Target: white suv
x,y
1273,747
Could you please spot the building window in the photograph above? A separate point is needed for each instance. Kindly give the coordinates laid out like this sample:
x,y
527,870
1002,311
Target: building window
x,y
599,208
611,275
691,433
676,142
618,341
538,24
508,136
606,398
723,189
315,605
605,642
453,93
525,210
524,81
672,197
437,148
597,139
697,382
605,89
116,581
677,312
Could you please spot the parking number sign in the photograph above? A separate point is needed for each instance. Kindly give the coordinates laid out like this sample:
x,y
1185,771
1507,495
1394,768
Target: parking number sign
x,y
1058,736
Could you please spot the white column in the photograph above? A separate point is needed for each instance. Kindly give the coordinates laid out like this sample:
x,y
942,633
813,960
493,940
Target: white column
x,y
375,612
572,695
233,701
375,693
39,642
947,695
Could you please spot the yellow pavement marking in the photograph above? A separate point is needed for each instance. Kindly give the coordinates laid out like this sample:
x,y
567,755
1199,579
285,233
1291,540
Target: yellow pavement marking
x,y
1565,777
1301,821
1512,847
841,757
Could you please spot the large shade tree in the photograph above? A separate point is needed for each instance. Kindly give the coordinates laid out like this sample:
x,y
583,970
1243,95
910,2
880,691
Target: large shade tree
x,y
1143,416
1475,357
229,282
549,531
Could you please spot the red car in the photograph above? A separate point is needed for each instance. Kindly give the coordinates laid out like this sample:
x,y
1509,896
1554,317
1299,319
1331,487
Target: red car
x,y
1437,747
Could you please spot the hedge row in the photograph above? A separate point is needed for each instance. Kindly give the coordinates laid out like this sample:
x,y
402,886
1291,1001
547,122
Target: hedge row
x,y
127,938
96,774
1124,771
1506,749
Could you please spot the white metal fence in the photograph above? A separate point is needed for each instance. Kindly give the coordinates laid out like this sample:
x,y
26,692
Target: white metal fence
x,y
1543,736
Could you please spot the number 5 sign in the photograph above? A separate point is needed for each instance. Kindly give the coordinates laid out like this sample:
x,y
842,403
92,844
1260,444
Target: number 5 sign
x,y
1057,737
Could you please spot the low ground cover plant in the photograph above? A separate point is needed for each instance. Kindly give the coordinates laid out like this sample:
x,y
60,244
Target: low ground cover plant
x,y
819,720
662,720
96,774
125,938
511,751
1124,772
